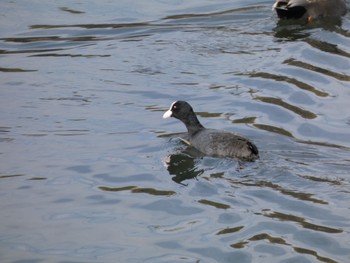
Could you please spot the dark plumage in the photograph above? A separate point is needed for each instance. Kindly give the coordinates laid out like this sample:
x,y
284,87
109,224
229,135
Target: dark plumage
x,y
309,9
212,142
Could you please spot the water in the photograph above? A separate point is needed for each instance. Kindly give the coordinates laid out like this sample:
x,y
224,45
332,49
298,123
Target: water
x,y
90,172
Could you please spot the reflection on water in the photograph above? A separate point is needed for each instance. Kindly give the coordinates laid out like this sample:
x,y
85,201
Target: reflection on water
x,y
182,166
336,75
303,113
301,221
290,80
135,189
90,172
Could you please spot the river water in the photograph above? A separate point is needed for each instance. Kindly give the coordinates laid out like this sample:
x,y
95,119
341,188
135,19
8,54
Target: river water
x,y
90,172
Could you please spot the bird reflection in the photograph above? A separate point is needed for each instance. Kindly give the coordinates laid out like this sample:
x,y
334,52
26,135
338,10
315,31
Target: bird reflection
x,y
299,29
182,166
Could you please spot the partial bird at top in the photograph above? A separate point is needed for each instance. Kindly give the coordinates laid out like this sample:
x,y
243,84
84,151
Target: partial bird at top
x,y
309,9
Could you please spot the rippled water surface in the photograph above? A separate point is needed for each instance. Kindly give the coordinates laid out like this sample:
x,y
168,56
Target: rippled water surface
x,y
90,172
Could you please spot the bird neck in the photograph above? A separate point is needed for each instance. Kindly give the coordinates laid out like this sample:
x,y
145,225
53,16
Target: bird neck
x,y
192,124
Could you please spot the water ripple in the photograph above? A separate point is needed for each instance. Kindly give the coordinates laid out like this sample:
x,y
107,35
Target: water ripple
x,y
303,222
298,83
327,72
277,101
135,189
91,172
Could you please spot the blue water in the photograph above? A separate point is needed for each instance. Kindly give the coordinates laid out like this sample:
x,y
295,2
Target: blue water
x,y
90,172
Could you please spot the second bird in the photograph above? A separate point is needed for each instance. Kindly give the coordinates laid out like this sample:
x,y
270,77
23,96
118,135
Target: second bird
x,y
309,9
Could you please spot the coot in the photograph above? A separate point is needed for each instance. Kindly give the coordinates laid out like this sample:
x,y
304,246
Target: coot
x,y
310,9
212,142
